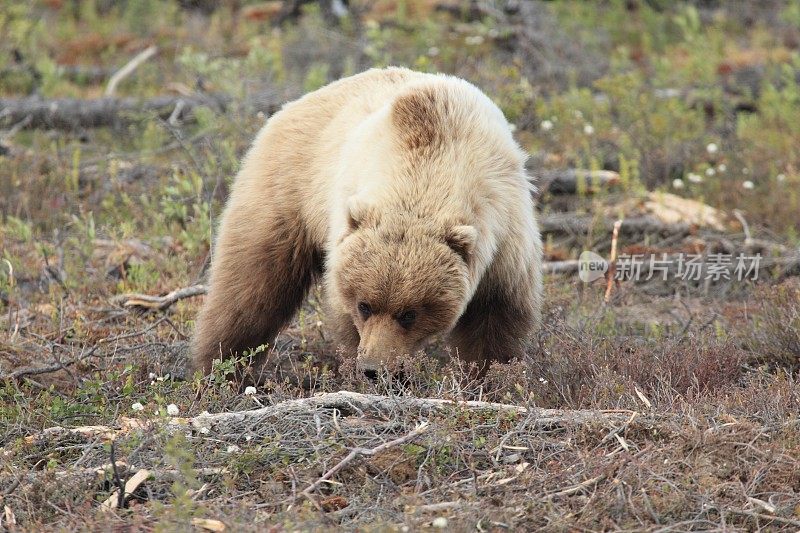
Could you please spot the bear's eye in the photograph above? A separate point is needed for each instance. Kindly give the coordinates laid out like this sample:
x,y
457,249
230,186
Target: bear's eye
x,y
407,318
365,310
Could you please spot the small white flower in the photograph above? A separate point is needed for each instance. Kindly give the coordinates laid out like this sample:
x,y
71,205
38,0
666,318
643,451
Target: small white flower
x,y
694,178
233,449
433,51
249,391
248,438
152,375
712,148
137,407
710,171
588,129
439,522
677,183
722,167
781,177
543,381
172,410
204,430
749,185
546,125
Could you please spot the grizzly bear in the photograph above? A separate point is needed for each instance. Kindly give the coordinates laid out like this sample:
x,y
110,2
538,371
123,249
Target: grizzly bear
x,y
406,195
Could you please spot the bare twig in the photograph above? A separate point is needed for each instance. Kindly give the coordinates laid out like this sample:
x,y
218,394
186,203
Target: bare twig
x,y
576,488
129,67
765,517
160,303
748,238
62,365
117,479
356,452
36,371
612,261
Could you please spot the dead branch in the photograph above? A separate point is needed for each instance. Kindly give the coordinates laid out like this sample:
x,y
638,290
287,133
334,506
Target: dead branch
x,y
575,488
347,401
128,69
613,261
160,303
62,365
573,180
570,266
86,432
67,113
87,474
356,452
36,371
764,517
118,498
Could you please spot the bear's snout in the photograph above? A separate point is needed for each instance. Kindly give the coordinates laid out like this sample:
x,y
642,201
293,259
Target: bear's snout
x,y
379,347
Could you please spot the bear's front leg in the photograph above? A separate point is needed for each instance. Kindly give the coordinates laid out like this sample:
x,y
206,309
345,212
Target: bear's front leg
x,y
498,324
262,268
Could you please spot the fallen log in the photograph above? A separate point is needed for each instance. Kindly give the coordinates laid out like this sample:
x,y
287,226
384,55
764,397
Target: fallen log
x,y
572,224
68,113
570,266
573,180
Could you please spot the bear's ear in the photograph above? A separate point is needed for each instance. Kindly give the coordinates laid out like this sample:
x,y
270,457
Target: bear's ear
x,y
462,240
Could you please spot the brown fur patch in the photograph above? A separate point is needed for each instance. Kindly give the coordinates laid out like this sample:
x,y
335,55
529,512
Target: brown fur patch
x,y
419,118
498,322
262,273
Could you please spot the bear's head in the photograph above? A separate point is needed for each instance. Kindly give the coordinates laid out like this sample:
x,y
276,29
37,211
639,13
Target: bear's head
x,y
402,279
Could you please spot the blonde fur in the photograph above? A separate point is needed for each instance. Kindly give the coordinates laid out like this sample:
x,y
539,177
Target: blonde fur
x,y
397,187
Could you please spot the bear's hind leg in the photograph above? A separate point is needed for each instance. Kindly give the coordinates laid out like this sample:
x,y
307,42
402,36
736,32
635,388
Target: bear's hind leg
x,y
264,266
